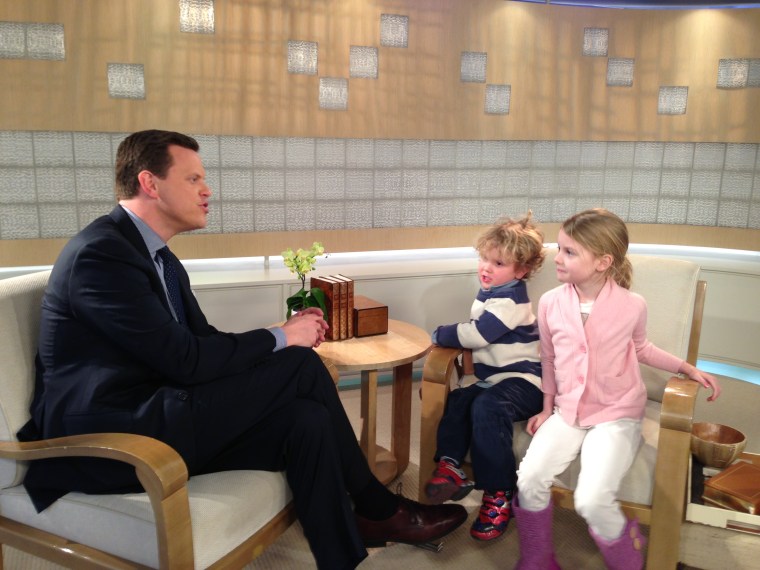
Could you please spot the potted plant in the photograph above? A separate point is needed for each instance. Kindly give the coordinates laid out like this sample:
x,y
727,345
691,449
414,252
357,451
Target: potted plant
x,y
301,262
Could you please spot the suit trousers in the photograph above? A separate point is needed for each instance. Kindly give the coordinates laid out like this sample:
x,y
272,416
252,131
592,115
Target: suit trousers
x,y
607,452
285,414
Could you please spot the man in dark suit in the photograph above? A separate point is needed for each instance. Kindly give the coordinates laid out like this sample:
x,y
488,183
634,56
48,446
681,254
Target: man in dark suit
x,y
125,347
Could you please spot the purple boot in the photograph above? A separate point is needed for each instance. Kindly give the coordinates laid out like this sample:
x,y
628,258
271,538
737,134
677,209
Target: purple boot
x,y
535,531
624,553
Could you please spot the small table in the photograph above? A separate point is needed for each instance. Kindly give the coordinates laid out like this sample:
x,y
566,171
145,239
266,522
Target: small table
x,y
397,349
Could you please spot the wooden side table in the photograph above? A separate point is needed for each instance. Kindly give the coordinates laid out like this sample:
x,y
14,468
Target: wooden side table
x,y
397,349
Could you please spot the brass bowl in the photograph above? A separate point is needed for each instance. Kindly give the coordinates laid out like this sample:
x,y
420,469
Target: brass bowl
x,y
716,445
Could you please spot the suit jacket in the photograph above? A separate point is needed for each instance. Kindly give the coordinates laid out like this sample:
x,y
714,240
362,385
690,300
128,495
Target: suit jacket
x,y
111,358
594,369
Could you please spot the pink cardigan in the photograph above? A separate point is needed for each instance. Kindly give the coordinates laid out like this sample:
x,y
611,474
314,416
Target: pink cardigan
x,y
593,371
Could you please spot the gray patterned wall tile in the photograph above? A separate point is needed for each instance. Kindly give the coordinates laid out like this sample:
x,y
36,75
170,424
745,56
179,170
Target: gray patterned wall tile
x,y
617,205
360,184
58,220
214,182
518,153
646,182
672,211
591,181
702,212
736,185
415,183
12,40
643,210
302,57
196,16
754,216
363,62
678,155
493,183
209,150
586,202
269,217
359,214
562,209
541,207
468,154
300,152
360,153
126,80
269,152
618,181
268,184
16,148
414,213
648,154
473,67
490,210
517,182
89,211
672,100
753,77
620,154
733,213
740,156
213,220
386,214
19,221
593,154
443,154
468,183
94,149
45,41
388,183
620,72
330,215
498,99
116,140
56,185
95,184
494,154
53,149
388,153
236,152
514,206
595,42
333,93
17,186
237,217
566,181
415,154
236,185
542,182
331,153
709,156
299,185
675,182
330,184
705,183
442,183
568,154
732,73
394,30
543,154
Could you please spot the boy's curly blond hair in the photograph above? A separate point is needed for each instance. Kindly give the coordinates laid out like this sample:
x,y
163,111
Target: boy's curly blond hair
x,y
518,241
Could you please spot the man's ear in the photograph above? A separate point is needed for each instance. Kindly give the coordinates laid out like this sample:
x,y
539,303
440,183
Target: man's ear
x,y
148,183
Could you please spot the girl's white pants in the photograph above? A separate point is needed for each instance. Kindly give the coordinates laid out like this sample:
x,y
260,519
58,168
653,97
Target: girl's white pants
x,y
607,451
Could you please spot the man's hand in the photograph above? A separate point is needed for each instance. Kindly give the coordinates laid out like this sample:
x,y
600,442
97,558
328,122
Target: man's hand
x,y
305,328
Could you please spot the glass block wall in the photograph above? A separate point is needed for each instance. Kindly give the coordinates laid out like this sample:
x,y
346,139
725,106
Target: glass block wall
x,y
54,183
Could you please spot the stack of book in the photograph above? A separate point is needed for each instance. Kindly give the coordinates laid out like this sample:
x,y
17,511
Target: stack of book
x,y
339,298
736,488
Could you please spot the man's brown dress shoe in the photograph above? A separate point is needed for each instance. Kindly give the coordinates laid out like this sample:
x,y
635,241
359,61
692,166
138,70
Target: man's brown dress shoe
x,y
413,523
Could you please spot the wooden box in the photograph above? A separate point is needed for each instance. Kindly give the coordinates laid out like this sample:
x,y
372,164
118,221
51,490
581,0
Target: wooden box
x,y
370,317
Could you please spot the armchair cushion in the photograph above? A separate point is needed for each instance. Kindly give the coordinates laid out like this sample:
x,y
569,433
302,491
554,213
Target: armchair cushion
x,y
226,508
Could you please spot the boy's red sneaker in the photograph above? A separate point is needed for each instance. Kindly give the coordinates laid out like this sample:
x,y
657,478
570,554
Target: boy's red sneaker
x,y
447,483
493,517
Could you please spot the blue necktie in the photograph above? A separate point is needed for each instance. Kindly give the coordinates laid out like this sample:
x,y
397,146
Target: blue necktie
x,y
172,282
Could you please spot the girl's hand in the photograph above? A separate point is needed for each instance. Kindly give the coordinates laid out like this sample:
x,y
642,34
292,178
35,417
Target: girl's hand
x,y
537,421
707,380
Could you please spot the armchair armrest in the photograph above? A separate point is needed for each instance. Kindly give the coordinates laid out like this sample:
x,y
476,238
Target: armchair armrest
x,y
441,361
678,404
160,469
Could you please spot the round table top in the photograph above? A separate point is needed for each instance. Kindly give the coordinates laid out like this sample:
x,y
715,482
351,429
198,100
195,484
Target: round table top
x,y
402,344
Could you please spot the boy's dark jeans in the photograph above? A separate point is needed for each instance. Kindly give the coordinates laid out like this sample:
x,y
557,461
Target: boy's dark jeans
x,y
480,420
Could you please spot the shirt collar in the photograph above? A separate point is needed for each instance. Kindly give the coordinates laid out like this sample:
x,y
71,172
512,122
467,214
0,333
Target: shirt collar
x,y
151,239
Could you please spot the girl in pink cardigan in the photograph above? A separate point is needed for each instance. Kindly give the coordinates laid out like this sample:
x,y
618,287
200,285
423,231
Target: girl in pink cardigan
x,y
593,336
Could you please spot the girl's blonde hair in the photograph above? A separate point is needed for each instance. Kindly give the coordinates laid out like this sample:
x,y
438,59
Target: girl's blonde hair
x,y
518,241
603,233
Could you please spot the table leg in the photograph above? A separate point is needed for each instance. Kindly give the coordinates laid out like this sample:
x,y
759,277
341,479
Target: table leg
x,y
402,414
368,440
